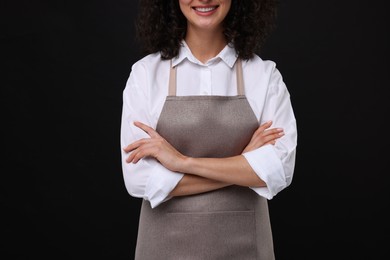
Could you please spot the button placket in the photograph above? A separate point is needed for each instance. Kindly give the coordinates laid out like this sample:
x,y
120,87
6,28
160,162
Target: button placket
x,y
205,81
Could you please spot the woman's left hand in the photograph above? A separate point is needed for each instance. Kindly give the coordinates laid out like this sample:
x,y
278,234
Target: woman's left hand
x,y
264,135
155,146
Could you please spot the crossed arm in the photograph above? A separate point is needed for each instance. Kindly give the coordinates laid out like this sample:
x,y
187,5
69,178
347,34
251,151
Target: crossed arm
x,y
202,174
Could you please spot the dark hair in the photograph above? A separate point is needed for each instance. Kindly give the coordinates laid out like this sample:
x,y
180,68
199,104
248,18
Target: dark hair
x,y
161,26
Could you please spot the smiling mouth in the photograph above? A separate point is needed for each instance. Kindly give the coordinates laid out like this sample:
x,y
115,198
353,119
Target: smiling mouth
x,y
205,9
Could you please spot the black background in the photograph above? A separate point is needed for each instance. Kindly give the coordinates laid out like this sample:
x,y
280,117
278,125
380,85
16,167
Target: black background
x,y
64,67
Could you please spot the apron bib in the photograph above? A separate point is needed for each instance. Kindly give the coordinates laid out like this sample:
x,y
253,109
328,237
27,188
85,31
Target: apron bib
x,y
229,223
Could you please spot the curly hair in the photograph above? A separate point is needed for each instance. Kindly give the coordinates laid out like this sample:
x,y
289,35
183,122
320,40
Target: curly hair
x,y
161,26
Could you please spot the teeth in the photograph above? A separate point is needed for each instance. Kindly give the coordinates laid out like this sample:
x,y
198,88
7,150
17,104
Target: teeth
x,y
204,9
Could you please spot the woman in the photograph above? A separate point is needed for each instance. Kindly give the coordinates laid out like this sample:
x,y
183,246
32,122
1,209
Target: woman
x,y
197,140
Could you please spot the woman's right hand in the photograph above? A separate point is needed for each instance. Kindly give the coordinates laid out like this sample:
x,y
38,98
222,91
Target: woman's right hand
x,y
155,146
264,135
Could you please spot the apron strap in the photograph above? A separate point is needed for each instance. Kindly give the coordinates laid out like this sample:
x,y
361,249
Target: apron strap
x,y
172,81
240,79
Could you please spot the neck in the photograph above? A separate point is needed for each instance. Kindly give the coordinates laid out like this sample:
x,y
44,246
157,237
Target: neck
x,y
205,45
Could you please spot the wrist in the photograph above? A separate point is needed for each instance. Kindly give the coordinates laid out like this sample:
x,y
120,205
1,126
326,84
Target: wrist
x,y
184,163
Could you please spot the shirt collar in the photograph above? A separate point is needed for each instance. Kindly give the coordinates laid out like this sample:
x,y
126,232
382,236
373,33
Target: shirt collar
x,y
228,55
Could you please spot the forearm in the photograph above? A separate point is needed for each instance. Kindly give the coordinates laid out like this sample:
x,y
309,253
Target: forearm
x,y
192,184
233,170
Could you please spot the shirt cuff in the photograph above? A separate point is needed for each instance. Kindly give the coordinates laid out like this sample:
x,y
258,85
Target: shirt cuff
x,y
160,184
268,166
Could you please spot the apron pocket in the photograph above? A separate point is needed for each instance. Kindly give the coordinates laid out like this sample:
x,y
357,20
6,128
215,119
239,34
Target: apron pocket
x,y
211,235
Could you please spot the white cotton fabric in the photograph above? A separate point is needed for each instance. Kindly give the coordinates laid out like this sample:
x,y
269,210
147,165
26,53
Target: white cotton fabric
x,y
144,96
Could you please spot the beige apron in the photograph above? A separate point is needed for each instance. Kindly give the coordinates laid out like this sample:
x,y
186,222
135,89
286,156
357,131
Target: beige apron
x,y
229,223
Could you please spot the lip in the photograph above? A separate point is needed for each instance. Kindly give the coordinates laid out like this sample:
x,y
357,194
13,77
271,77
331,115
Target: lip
x,y
205,10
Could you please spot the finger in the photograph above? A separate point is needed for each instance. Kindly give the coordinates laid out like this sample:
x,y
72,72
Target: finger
x,y
273,131
144,151
134,156
264,138
136,144
272,137
149,130
265,125
262,134
269,122
130,158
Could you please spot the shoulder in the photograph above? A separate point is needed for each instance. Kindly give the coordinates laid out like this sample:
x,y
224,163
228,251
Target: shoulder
x,y
262,77
149,75
148,64
260,66
264,69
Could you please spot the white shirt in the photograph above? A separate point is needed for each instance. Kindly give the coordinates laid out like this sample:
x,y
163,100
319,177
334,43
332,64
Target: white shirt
x,y
144,96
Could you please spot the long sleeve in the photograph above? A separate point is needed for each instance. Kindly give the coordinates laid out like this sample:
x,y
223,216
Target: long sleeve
x,y
144,96
146,179
274,164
